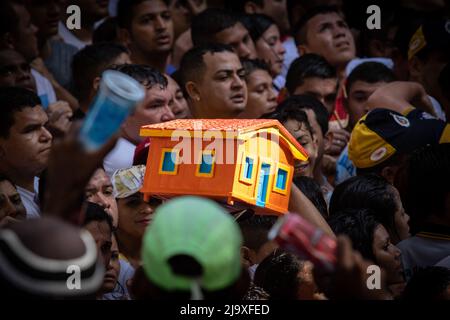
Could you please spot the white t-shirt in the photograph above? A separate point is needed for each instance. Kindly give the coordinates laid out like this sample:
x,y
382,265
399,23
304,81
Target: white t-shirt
x,y
44,89
30,201
290,55
120,157
69,37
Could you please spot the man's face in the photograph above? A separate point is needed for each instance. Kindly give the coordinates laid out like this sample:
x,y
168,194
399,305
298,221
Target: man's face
x,y
222,91
318,134
329,36
277,10
238,37
262,98
152,27
15,71
360,91
10,202
101,232
99,190
24,37
93,10
301,133
323,90
45,16
27,148
154,109
177,103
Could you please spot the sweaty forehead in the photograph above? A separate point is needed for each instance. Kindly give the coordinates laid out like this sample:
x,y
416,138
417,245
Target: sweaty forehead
x,y
149,7
10,57
99,179
330,17
30,115
221,61
157,94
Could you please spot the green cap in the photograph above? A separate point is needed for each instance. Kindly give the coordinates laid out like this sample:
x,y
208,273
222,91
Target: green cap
x,y
198,228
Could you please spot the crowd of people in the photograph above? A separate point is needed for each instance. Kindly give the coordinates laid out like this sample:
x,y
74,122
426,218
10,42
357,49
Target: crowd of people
x,y
370,106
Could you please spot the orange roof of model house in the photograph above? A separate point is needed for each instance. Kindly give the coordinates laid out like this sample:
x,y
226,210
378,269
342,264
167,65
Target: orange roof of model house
x,y
257,177
240,126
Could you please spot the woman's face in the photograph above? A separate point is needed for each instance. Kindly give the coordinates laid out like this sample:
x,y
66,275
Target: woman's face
x,y
135,214
262,98
270,49
401,219
387,255
10,202
113,269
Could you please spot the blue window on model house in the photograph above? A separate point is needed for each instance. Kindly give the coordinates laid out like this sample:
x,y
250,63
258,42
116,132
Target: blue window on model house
x,y
281,179
207,163
169,161
248,168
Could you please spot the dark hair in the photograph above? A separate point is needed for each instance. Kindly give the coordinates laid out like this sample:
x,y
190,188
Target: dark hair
x,y
251,65
277,274
12,100
287,112
429,283
359,225
207,24
257,24
90,62
106,31
312,191
125,11
300,32
238,6
444,80
428,187
144,74
371,192
95,212
255,229
8,17
305,102
309,65
370,72
397,159
192,66
5,178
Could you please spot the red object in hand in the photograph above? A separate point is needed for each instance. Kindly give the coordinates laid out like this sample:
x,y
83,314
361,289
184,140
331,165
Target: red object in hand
x,y
297,235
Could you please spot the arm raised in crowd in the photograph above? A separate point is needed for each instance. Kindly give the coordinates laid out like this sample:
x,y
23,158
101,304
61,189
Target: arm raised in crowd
x,y
399,96
300,204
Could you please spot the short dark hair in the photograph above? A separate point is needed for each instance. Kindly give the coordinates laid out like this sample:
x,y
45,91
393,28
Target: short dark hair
x,y
310,65
287,112
192,65
106,31
95,212
429,283
90,62
277,274
303,102
300,32
238,6
251,65
311,189
428,176
125,11
367,192
8,17
207,24
255,229
12,100
370,72
359,225
144,74
257,24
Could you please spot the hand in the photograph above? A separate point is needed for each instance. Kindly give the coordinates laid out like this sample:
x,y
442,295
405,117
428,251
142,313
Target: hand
x,y
39,65
337,140
349,280
59,115
8,221
69,169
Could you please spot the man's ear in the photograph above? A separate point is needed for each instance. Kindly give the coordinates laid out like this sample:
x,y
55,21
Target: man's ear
x,y
246,256
389,173
251,8
302,49
192,91
96,84
124,37
415,68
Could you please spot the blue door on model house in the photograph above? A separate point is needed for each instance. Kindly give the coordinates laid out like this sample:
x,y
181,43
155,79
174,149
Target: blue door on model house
x,y
263,183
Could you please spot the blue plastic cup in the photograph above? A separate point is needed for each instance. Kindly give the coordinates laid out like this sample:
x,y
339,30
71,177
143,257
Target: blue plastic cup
x,y
116,99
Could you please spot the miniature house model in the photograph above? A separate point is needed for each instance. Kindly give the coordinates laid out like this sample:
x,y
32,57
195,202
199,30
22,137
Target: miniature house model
x,y
230,160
